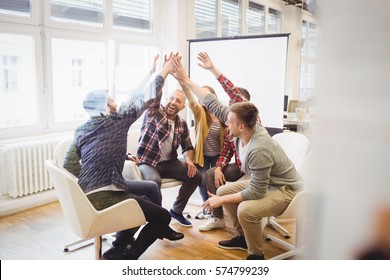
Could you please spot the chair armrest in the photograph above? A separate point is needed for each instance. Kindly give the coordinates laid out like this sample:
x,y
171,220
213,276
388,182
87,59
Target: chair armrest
x,y
131,171
123,215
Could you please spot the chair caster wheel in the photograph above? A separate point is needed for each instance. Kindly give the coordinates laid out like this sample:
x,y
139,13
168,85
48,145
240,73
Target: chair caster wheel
x,y
66,250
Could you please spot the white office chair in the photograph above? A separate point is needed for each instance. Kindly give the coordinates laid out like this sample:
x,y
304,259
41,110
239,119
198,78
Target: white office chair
x,y
83,218
298,209
130,171
296,146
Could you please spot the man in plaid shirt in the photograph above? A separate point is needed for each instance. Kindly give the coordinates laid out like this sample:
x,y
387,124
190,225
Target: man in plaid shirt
x,y
97,156
162,132
224,170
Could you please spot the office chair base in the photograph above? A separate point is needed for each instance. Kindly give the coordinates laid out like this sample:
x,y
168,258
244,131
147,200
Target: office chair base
x,y
86,242
274,224
292,250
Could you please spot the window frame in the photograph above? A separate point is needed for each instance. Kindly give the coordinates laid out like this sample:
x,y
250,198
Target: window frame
x,y
42,28
67,35
243,6
33,20
307,59
35,33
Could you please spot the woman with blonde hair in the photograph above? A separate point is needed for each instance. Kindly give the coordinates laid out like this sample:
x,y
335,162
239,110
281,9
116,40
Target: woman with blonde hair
x,y
209,136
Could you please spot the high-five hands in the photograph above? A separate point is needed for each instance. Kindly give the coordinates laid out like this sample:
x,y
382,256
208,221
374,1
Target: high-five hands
x,y
179,73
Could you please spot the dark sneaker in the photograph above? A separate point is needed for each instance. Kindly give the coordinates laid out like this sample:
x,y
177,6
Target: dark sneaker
x,y
172,235
180,218
131,253
255,257
114,253
237,243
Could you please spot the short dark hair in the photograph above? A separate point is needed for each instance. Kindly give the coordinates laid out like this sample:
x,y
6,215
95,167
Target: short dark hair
x,y
245,93
246,112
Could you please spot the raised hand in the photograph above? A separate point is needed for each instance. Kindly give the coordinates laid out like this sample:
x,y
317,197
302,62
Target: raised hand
x,y
179,72
205,61
171,56
156,57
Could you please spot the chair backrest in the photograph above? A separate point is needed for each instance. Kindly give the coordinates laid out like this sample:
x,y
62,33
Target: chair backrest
x,y
299,204
61,149
295,145
132,140
296,206
79,212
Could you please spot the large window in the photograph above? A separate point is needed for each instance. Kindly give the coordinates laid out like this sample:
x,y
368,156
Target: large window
x,y
16,7
78,68
133,14
80,11
308,60
134,64
255,17
206,18
18,89
231,21
238,17
67,49
274,21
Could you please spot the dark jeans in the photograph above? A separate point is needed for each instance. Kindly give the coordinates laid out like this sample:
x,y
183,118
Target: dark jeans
x,y
209,162
158,218
232,173
177,170
145,189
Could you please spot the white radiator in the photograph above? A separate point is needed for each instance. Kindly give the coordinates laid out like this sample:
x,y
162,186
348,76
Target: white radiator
x,y
24,167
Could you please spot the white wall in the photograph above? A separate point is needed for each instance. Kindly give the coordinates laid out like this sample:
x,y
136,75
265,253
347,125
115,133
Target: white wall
x,y
353,126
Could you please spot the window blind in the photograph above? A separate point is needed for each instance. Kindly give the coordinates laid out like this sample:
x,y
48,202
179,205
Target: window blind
x,y
206,18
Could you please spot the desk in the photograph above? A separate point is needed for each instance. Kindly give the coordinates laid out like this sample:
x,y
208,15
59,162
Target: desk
x,y
290,125
305,126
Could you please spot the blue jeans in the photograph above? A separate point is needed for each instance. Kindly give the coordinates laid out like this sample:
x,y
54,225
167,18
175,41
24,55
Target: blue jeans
x,y
209,162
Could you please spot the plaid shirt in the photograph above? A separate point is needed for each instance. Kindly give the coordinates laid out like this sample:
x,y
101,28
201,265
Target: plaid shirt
x,y
155,130
229,149
228,143
102,141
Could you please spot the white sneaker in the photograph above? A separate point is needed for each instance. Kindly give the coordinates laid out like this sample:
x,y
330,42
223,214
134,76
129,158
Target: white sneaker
x,y
212,223
199,215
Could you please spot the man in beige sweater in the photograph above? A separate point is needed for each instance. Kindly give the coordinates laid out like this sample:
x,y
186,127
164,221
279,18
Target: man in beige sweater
x,y
273,179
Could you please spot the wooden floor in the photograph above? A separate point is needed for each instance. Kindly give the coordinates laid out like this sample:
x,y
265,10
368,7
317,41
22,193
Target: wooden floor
x,y
41,233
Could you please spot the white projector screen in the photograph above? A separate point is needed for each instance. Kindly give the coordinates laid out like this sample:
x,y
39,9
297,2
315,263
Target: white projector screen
x,y
257,63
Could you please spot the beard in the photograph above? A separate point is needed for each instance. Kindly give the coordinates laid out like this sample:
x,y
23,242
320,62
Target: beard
x,y
171,111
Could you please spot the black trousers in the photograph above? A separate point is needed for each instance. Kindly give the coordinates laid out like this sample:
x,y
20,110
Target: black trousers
x,y
158,219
